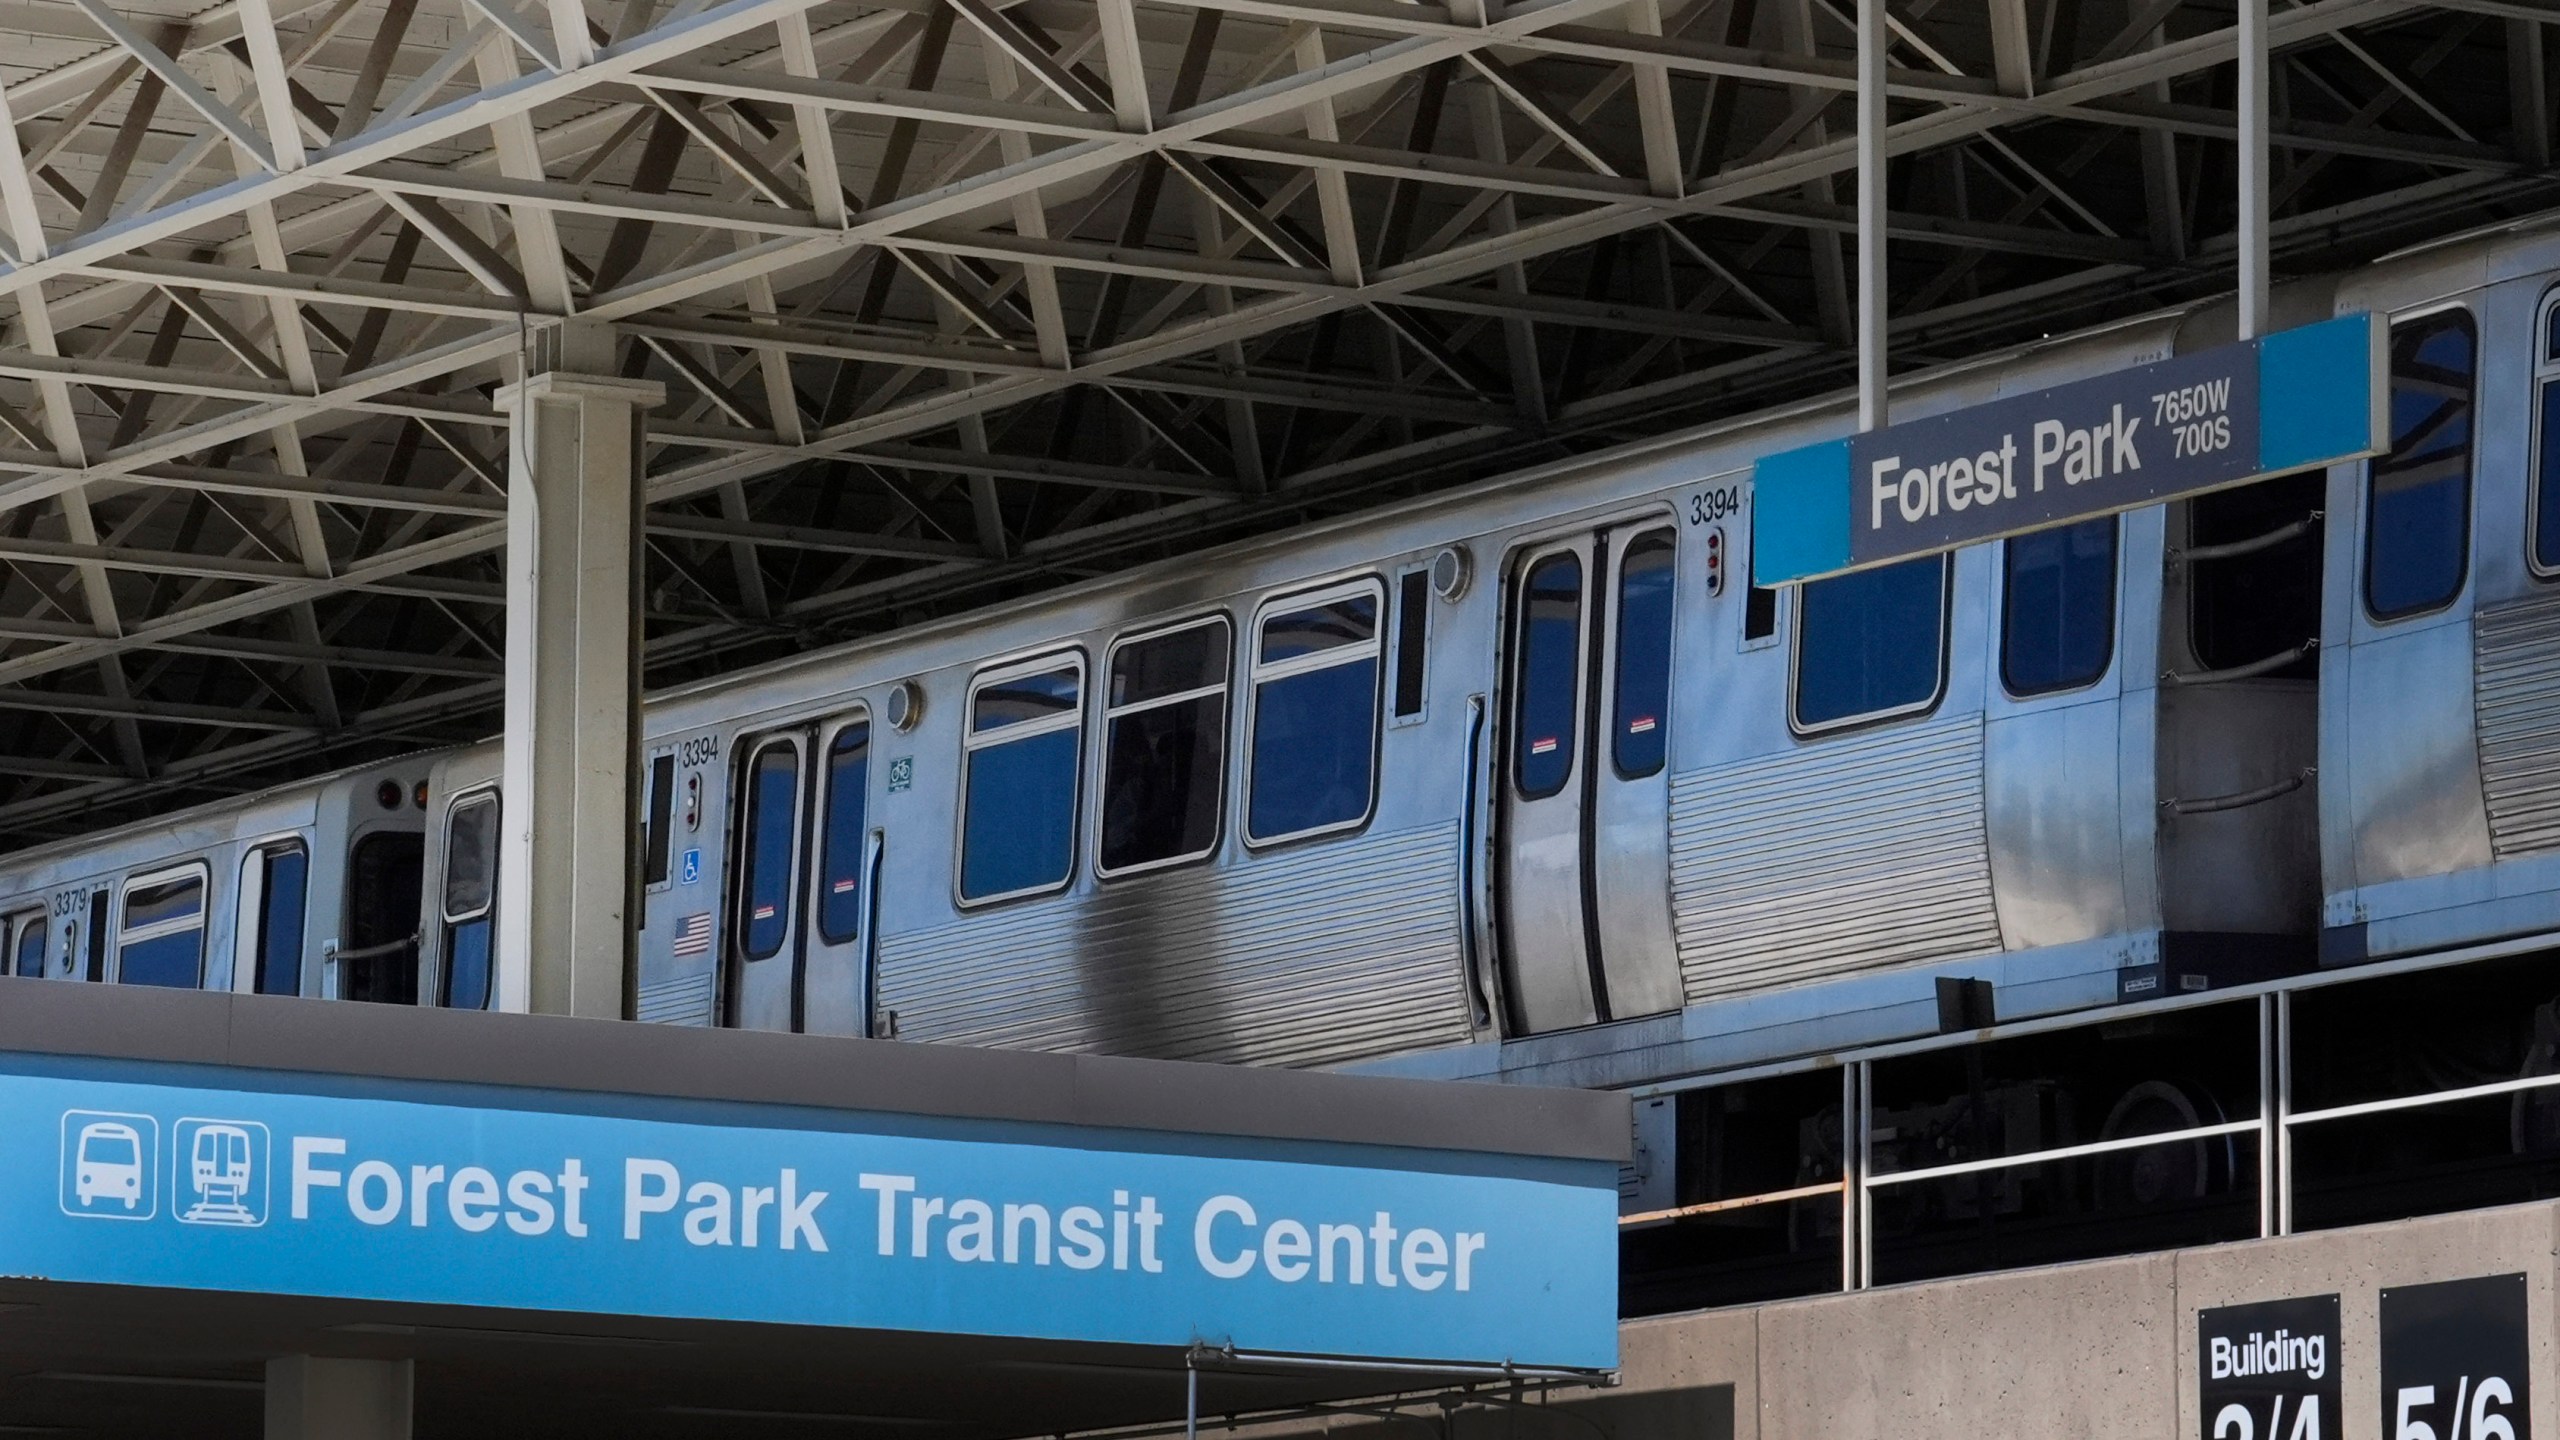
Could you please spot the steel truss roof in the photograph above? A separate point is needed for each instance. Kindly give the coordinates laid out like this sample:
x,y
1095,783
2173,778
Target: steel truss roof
x,y
956,298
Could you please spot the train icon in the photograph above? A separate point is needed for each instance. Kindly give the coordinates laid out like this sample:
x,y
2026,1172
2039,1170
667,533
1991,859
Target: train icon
x,y
220,1172
108,1161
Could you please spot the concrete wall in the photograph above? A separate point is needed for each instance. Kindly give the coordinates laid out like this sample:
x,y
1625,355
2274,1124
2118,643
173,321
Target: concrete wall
x,y
2099,1351
2104,1350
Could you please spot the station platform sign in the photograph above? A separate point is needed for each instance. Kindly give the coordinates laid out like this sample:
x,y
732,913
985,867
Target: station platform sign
x,y
394,1187
2311,396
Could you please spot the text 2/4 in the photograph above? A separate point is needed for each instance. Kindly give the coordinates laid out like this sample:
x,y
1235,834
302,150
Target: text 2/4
x,y
1708,506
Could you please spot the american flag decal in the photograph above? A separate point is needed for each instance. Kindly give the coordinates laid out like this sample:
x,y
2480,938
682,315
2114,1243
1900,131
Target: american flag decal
x,y
693,935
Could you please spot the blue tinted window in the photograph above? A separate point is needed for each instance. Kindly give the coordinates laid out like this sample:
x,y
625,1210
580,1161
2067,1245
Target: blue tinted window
x,y
2546,479
1550,683
1019,833
1641,725
470,900
764,881
31,938
1869,642
162,939
466,964
1315,716
2058,607
1314,749
840,859
2418,497
280,920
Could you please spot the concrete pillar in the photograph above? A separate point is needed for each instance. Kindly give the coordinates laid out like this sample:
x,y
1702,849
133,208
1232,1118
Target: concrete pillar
x,y
566,881
309,1398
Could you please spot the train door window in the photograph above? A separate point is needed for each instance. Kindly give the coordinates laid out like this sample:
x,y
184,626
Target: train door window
x,y
378,950
1413,640
1549,693
26,943
274,883
766,839
2058,607
1164,747
469,902
1870,644
1315,714
840,847
161,939
2546,440
1640,728
99,901
1020,757
657,837
2418,496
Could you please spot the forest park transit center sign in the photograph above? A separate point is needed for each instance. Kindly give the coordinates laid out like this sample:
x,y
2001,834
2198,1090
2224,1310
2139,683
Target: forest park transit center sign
x,y
2316,395
121,1172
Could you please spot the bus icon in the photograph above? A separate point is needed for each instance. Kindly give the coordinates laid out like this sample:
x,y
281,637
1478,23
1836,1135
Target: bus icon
x,y
219,1174
107,1159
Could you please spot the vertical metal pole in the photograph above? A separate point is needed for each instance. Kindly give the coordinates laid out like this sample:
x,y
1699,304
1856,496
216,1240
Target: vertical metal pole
x,y
1871,213
1191,1395
2284,1113
2253,168
2268,1127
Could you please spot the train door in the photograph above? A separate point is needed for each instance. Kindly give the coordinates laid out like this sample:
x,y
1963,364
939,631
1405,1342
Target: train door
x,y
844,863
766,832
1584,795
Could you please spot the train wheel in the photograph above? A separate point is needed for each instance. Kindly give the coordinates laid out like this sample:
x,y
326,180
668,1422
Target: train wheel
x,y
2154,1175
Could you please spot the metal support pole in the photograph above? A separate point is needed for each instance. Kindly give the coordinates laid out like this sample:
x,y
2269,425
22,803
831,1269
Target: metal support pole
x,y
2284,1113
1191,1396
2253,168
1871,214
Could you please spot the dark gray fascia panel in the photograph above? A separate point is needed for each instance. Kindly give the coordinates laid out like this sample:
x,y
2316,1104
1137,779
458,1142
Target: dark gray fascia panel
x,y
55,1017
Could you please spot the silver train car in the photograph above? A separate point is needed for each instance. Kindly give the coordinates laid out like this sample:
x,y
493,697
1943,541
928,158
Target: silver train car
x,y
1529,781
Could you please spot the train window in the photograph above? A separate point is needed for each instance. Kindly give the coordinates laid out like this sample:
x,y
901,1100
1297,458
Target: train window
x,y
26,949
274,881
161,940
1315,714
1641,728
657,835
840,852
765,841
99,900
1547,695
2260,595
1164,747
1870,644
1413,632
2546,442
470,899
1018,803
2058,607
2418,496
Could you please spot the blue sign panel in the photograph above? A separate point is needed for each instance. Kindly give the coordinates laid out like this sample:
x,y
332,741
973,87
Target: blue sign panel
x,y
136,1174
2176,427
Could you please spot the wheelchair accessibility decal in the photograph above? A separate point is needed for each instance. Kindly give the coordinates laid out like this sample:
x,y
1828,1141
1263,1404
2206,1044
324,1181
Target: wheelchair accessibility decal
x,y
112,1162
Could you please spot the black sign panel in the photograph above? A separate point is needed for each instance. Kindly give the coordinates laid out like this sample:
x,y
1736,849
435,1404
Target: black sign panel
x,y
2455,1361
2269,1371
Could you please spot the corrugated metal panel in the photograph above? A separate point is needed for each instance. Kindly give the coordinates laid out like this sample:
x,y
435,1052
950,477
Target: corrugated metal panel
x,y
685,1000
2516,668
1853,854
1312,956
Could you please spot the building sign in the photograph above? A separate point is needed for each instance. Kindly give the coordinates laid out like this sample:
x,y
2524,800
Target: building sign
x,y
2269,1371
2456,1361
135,1174
2176,427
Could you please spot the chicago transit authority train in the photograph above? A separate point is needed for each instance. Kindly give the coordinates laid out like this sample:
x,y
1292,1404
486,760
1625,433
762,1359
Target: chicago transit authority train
x,y
1529,781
